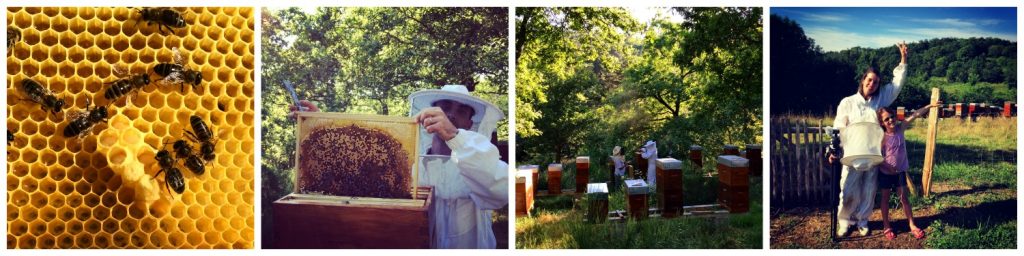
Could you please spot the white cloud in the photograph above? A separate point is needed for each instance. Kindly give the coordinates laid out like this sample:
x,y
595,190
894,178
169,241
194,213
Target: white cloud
x,y
946,22
824,17
835,39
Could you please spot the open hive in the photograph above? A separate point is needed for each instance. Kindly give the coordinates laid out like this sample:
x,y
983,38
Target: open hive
x,y
62,193
354,185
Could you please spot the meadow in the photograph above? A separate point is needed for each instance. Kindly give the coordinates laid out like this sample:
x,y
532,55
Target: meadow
x,y
973,203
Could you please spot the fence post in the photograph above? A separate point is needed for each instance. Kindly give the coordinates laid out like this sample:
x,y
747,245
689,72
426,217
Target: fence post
x,y
929,150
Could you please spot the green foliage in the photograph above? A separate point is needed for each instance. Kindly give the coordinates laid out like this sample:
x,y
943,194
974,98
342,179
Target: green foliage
x,y
981,70
589,79
368,60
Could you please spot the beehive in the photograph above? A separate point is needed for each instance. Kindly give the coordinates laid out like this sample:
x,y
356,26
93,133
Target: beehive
x,y
582,173
754,155
354,185
696,156
597,202
731,150
636,198
62,192
670,186
554,179
524,190
734,183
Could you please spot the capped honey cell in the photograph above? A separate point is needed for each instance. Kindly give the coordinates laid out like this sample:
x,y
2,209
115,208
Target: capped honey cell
x,y
101,191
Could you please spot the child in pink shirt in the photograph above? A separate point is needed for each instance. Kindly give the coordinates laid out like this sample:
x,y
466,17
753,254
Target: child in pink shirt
x,y
893,170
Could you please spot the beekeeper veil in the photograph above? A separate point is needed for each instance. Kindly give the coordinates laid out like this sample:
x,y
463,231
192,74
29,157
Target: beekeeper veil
x,y
485,119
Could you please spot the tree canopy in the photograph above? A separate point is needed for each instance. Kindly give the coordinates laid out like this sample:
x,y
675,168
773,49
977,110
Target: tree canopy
x,y
808,80
588,79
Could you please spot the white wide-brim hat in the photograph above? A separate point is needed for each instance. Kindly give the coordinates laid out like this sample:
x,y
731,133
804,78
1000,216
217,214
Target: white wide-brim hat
x,y
486,116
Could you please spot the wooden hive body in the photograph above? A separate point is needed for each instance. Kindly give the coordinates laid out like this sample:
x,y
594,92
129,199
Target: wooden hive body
x,y
582,174
555,179
334,219
524,190
670,186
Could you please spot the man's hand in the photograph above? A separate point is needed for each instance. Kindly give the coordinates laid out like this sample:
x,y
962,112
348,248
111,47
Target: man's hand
x,y
310,107
436,122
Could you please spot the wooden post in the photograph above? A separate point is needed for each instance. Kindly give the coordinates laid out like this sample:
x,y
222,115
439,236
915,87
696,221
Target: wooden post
x,y
929,150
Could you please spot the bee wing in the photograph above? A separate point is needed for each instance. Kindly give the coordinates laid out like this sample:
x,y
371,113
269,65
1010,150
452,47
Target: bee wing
x,y
171,79
74,115
120,70
177,56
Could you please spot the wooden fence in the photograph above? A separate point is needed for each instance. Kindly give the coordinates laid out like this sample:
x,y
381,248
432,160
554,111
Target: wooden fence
x,y
799,172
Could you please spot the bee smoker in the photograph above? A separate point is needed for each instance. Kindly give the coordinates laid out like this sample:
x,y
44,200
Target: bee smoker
x,y
835,149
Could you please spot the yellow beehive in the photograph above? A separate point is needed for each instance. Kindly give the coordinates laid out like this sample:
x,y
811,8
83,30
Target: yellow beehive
x,y
62,193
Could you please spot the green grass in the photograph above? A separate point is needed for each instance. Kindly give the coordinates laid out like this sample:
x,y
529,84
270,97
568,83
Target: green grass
x,y
559,222
987,235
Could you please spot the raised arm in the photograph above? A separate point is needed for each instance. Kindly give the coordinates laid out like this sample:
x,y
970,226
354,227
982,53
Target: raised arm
x,y
890,91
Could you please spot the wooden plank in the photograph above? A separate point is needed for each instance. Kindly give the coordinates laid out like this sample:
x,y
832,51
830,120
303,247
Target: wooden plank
x,y
301,224
929,150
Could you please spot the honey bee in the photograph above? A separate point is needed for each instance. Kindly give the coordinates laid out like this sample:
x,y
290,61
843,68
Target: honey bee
x,y
163,17
36,93
10,137
177,73
195,164
124,86
13,36
203,135
83,122
172,176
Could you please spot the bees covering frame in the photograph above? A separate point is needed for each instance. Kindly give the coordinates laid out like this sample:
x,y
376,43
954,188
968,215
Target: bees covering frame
x,y
388,132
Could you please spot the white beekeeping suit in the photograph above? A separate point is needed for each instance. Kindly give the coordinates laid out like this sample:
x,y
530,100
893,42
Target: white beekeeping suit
x,y
470,183
650,152
857,195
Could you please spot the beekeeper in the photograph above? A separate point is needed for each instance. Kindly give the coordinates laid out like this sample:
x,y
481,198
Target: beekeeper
x,y
650,152
465,169
619,163
857,188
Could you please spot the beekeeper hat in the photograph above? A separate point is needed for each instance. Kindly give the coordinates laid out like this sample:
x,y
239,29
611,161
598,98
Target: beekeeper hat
x,y
486,116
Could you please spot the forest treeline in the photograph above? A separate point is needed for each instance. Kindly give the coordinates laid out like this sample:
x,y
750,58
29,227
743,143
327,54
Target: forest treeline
x,y
807,80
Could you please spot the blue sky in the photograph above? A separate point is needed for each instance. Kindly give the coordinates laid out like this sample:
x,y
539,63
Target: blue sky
x,y
836,29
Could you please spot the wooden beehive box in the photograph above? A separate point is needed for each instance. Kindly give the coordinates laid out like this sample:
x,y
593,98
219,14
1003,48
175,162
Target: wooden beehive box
x,y
696,156
582,174
554,179
733,171
354,185
734,184
524,190
597,202
636,198
670,186
754,155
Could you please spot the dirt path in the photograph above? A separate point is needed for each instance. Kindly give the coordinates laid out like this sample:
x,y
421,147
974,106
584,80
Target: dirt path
x,y
806,227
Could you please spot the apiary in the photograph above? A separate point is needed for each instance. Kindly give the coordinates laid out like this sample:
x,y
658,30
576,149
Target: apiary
x,y
753,154
597,202
734,185
554,179
731,150
354,186
696,156
524,190
670,186
636,199
72,192
582,173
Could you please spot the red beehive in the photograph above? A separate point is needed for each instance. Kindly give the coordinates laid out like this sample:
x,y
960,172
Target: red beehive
x,y
582,174
554,179
670,186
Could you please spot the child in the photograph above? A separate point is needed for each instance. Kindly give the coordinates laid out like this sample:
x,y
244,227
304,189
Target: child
x,y
894,168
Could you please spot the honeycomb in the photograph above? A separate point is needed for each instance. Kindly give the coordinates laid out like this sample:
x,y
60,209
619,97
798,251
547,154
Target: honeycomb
x,y
99,191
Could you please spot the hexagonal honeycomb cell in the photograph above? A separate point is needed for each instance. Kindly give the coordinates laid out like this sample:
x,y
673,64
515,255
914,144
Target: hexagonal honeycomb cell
x,y
100,191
